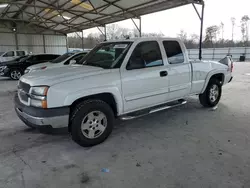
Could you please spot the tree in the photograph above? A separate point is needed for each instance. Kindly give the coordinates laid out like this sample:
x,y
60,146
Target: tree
x,y
114,31
182,35
211,35
222,30
233,25
244,28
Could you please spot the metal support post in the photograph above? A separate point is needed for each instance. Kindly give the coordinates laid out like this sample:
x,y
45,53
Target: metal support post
x,y
105,33
82,41
16,40
201,31
67,43
137,27
140,26
213,53
44,47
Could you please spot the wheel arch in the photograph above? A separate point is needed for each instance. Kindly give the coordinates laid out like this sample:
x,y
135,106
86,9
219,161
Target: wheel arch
x,y
214,75
106,97
109,98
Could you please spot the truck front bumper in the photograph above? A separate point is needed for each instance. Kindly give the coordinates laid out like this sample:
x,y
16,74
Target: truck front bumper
x,y
38,117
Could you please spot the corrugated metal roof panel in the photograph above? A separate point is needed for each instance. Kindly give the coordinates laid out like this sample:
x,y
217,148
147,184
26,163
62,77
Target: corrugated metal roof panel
x,y
97,12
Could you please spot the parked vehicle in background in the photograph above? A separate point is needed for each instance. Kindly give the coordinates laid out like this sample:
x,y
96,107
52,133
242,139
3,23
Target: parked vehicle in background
x,y
65,59
118,79
15,69
11,55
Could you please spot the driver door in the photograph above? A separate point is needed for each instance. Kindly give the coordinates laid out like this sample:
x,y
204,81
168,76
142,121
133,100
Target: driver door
x,y
144,79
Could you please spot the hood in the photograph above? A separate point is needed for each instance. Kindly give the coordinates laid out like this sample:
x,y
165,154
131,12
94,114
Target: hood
x,y
39,65
53,76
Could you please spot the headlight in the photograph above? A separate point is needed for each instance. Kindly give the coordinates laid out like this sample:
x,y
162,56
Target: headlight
x,y
3,67
38,96
40,90
26,71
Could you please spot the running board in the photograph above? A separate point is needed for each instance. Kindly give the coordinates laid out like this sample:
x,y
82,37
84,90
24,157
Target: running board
x,y
141,113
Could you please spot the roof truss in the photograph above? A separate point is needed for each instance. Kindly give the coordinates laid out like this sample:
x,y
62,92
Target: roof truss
x,y
68,16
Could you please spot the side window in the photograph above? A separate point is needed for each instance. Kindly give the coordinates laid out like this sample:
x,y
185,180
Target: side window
x,y
54,56
77,58
49,57
33,58
146,54
20,53
174,52
9,54
46,57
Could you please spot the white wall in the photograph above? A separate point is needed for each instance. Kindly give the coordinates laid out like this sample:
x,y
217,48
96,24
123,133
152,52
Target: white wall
x,y
219,53
26,38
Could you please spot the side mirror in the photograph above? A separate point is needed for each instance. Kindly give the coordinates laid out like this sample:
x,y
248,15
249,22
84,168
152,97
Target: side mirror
x,y
71,62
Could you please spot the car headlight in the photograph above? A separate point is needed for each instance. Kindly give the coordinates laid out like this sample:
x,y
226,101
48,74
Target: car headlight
x,y
38,96
26,71
3,67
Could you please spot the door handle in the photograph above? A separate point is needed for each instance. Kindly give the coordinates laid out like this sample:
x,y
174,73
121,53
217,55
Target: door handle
x,y
163,73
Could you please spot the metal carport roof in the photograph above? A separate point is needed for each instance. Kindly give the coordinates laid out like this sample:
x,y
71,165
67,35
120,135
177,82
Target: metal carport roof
x,y
66,16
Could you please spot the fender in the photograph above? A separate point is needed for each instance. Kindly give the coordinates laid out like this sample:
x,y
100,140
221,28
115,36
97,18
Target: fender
x,y
210,74
72,97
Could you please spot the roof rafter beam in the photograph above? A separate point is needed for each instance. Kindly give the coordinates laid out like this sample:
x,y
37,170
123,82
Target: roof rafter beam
x,y
22,8
69,11
128,11
33,23
44,20
117,6
42,9
99,9
5,11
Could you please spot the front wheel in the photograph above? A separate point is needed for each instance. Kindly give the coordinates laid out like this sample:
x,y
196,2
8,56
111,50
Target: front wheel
x,y
91,122
15,74
212,94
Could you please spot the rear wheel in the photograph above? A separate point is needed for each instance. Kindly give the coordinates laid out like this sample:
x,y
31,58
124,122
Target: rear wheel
x,y
15,74
91,122
212,94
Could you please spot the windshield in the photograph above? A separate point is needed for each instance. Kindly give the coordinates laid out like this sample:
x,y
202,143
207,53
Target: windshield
x,y
62,58
106,55
1,53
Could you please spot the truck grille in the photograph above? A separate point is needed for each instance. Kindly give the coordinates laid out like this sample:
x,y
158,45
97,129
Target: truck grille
x,y
23,86
23,90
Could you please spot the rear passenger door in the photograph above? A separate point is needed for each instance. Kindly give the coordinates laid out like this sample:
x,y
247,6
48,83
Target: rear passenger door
x,y
179,70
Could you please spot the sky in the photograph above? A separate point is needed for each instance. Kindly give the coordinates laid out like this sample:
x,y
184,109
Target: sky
x,y
170,22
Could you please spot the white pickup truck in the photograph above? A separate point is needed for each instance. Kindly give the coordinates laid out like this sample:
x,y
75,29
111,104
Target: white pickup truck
x,y
134,77
11,55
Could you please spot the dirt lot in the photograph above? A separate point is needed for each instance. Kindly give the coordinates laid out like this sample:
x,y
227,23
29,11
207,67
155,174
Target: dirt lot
x,y
188,146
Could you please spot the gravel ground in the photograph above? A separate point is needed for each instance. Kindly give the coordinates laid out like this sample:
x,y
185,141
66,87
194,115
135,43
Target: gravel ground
x,y
188,146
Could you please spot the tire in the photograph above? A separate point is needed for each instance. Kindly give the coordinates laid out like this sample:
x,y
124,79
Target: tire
x,y
15,74
207,99
91,122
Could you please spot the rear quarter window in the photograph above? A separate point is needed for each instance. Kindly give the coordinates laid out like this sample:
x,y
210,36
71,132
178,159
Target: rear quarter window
x,y
20,53
174,52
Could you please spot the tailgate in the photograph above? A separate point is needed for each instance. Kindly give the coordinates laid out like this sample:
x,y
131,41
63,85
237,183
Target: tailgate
x,y
228,62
